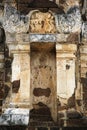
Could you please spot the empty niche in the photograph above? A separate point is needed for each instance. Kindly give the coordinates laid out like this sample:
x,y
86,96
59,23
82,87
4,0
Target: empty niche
x,y
43,73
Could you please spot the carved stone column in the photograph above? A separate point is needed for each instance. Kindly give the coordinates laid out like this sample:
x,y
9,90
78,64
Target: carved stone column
x,y
65,56
21,76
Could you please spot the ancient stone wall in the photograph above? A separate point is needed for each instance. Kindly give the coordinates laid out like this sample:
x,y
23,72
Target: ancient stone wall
x,y
43,61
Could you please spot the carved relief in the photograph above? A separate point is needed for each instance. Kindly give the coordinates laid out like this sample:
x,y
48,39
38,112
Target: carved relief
x,y
42,23
69,22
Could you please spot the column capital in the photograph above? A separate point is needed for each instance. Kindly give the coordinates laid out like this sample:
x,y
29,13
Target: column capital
x,y
65,50
19,49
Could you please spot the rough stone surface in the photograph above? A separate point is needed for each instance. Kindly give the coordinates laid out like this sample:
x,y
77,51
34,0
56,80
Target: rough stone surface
x,y
43,63
17,22
66,23
67,4
15,117
69,22
21,71
65,72
84,31
42,23
43,74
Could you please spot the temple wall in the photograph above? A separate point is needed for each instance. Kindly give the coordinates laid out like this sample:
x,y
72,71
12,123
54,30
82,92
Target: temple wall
x,y
43,62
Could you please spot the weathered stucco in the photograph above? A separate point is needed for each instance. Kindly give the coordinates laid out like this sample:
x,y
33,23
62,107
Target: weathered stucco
x,y
44,63
65,70
43,75
42,23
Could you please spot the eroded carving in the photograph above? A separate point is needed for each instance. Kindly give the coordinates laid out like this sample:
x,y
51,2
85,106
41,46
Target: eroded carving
x,y
42,23
14,21
69,22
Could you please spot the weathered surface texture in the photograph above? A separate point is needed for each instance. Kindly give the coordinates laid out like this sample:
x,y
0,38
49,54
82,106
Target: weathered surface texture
x,y
69,22
13,21
21,73
15,117
43,64
83,59
65,72
42,23
43,75
84,31
67,4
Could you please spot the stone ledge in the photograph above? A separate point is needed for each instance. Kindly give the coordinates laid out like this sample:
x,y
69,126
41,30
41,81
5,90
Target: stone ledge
x,y
15,116
23,38
66,47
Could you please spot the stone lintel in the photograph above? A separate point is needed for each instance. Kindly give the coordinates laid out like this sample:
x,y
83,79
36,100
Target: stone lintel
x,y
17,38
42,37
37,37
49,37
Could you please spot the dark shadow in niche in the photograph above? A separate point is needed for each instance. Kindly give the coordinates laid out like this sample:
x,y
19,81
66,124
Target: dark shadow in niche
x,y
6,91
3,88
43,5
40,112
2,35
55,128
42,128
41,92
15,86
84,81
84,88
71,101
73,114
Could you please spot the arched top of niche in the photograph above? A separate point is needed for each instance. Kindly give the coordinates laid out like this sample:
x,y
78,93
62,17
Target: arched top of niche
x,y
25,6
42,23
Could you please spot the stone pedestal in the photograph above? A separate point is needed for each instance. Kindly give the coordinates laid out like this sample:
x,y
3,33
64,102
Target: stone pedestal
x,y
65,56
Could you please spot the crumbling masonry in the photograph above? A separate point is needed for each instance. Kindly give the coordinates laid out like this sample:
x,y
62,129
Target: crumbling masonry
x,y
43,63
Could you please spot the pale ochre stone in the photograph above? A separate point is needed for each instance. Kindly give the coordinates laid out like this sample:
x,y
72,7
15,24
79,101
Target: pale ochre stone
x,y
21,71
65,70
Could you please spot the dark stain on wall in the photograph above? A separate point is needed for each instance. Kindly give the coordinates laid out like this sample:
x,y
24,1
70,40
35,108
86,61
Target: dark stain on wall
x,y
6,90
2,34
67,67
41,92
15,86
1,90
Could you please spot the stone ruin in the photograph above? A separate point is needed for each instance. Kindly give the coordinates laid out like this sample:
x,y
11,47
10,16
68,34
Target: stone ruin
x,y
43,63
